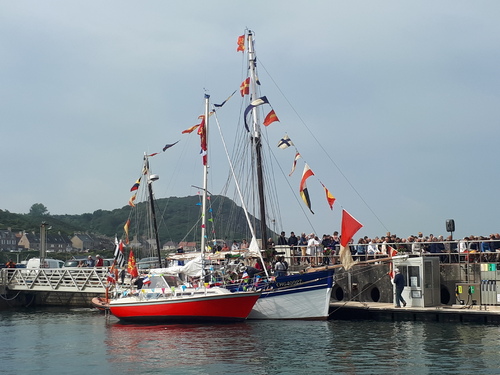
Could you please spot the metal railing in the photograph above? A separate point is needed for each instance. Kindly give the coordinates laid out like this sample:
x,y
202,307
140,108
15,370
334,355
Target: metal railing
x,y
476,251
84,280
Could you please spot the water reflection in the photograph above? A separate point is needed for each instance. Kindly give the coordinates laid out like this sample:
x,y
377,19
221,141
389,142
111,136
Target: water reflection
x,y
281,347
172,346
83,342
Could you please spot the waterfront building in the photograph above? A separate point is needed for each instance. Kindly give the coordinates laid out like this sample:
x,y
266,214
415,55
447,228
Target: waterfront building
x,y
8,240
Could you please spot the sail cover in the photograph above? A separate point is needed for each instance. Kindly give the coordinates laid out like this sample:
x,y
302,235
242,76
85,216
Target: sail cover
x,y
191,268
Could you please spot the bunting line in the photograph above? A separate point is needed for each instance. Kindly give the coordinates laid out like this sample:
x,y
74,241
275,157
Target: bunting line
x,y
303,187
224,102
329,197
285,142
255,103
297,157
245,87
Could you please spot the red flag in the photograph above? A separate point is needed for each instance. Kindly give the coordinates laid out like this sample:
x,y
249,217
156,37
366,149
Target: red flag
x,y
270,118
349,228
112,274
391,271
203,139
241,43
303,187
191,129
392,251
132,267
329,197
245,87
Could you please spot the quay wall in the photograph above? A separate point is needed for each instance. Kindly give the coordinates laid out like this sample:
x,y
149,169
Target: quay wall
x,y
18,299
372,283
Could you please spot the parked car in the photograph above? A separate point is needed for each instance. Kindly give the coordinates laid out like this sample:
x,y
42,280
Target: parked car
x,y
76,261
108,262
71,263
146,263
48,263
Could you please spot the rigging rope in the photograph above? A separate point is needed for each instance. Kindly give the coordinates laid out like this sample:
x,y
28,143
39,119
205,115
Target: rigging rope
x,y
322,148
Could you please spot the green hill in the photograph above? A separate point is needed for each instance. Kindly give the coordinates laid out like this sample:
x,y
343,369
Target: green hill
x,y
178,220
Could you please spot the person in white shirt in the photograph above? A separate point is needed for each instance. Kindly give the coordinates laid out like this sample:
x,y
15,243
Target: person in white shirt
x,y
312,248
372,248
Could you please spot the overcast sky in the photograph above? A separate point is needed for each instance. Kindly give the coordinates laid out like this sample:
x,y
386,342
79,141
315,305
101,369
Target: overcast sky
x,y
402,96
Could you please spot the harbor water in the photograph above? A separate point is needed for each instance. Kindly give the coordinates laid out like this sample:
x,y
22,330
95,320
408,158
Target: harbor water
x,y
83,341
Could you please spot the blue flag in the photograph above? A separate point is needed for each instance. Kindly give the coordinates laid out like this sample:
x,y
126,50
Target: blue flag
x,y
253,104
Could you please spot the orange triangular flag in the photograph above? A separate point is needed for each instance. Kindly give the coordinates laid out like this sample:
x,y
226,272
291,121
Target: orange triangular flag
x,y
270,118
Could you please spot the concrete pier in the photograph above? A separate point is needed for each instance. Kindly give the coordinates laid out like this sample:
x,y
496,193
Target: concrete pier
x,y
355,310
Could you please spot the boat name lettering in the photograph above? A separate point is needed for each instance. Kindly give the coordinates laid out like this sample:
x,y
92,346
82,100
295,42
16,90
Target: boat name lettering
x,y
289,283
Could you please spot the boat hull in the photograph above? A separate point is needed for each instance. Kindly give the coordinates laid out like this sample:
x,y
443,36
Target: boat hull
x,y
304,296
219,307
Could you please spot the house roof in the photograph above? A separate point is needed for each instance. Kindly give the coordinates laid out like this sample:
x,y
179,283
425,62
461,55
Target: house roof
x,y
84,237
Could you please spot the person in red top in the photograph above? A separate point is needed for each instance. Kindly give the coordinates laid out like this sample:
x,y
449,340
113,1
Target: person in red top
x,y
10,264
258,265
99,261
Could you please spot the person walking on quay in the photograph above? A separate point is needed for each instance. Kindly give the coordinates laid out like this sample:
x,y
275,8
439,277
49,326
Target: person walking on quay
x,y
399,282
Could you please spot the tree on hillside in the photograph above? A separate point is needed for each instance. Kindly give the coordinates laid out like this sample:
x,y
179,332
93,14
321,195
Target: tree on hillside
x,y
38,209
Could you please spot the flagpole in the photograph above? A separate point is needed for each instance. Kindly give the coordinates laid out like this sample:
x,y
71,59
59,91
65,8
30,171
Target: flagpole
x,y
256,138
204,195
151,179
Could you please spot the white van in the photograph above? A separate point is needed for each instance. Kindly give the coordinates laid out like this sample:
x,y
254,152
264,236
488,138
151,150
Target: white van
x,y
48,263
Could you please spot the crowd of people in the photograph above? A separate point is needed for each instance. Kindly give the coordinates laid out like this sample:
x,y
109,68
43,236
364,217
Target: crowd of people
x,y
430,244
91,262
312,250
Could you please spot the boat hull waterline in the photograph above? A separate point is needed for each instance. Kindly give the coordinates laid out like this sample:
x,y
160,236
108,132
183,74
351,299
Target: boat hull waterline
x,y
304,296
219,307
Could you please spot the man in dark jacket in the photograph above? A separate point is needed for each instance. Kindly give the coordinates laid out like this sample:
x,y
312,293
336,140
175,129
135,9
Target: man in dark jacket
x,y
293,241
282,240
399,282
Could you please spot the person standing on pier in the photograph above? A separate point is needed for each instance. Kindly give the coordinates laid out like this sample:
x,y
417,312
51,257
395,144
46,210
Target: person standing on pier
x,y
399,282
90,261
293,241
99,261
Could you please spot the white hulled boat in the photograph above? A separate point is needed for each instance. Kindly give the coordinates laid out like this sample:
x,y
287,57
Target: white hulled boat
x,y
303,295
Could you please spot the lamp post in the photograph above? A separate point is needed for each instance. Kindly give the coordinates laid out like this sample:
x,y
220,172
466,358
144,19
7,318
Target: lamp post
x,y
43,243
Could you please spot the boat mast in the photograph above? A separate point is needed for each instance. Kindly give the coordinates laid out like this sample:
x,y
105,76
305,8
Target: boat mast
x,y
256,138
151,179
205,183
